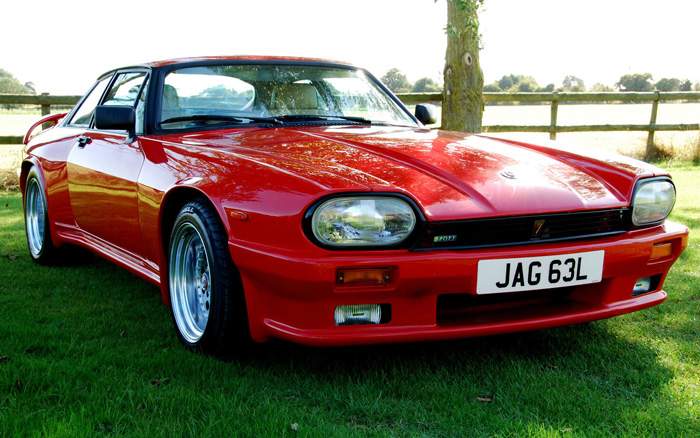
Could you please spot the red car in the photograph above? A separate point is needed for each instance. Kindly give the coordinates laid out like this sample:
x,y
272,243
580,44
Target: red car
x,y
299,199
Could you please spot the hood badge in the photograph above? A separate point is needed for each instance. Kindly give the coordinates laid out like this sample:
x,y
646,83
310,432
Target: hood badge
x,y
509,174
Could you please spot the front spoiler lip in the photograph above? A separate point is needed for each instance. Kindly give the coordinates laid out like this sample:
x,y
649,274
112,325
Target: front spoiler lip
x,y
368,335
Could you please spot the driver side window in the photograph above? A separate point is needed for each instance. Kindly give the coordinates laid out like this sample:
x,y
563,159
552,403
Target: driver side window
x,y
125,89
83,116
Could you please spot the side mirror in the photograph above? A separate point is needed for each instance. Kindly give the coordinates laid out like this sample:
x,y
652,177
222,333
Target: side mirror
x,y
116,117
426,113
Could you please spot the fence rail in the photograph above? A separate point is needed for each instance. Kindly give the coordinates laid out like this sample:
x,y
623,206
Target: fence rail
x,y
46,100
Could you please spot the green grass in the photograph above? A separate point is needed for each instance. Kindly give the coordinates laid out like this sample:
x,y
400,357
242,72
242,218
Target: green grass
x,y
87,349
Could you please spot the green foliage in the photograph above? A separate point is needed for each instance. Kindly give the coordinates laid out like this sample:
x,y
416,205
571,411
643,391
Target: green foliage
x,y
508,81
635,82
523,84
470,9
516,84
674,84
526,87
668,84
426,85
574,84
10,85
600,88
397,81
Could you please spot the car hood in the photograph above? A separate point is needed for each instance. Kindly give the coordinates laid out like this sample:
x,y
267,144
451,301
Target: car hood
x,y
449,175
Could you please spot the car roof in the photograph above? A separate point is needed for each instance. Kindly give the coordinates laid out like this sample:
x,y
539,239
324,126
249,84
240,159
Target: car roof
x,y
163,63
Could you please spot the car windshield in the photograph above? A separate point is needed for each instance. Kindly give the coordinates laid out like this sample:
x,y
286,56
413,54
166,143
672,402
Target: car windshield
x,y
275,94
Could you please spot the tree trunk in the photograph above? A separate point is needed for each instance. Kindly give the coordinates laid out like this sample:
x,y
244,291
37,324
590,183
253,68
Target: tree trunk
x,y
463,104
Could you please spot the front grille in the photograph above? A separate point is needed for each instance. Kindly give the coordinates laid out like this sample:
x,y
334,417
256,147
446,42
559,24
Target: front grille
x,y
520,230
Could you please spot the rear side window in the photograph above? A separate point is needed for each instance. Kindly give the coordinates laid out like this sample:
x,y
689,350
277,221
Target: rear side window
x,y
83,116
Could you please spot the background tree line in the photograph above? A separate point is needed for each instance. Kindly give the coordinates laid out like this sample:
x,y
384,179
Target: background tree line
x,y
10,85
399,83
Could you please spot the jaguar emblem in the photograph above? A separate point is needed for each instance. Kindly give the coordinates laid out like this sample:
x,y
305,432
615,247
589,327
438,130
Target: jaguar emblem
x,y
509,174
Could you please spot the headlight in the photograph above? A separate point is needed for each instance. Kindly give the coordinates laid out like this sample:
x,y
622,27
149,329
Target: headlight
x,y
363,221
653,201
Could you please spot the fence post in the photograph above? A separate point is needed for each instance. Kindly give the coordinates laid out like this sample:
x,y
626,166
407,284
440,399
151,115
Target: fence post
x,y
652,128
553,119
45,111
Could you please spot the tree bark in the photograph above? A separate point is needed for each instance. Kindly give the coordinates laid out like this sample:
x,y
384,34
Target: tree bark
x,y
463,103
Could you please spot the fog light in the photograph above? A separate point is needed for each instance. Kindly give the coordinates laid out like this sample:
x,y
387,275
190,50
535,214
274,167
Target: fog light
x,y
642,286
358,314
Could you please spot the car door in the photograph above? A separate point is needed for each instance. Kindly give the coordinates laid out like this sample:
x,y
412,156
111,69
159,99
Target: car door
x,y
103,169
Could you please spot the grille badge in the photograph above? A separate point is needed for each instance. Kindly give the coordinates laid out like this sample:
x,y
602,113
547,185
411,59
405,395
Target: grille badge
x,y
538,227
441,239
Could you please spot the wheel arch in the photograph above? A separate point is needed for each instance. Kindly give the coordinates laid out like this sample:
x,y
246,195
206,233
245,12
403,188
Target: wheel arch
x,y
27,165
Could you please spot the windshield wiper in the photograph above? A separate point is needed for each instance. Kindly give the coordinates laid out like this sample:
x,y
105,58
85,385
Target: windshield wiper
x,y
312,117
359,120
221,118
278,120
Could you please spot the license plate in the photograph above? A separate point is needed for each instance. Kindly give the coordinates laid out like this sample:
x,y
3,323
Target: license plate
x,y
532,273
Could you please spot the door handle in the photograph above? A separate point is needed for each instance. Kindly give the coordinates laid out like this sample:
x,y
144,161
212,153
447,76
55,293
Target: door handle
x,y
83,141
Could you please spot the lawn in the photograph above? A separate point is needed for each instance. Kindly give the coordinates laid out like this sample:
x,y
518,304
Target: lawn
x,y
87,349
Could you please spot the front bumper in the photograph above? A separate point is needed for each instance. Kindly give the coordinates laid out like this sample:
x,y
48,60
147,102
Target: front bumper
x,y
293,295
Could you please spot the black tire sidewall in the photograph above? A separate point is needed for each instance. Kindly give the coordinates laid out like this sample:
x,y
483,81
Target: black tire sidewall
x,y
199,215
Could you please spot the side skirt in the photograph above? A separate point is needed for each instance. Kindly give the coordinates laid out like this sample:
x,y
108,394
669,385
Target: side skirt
x,y
133,263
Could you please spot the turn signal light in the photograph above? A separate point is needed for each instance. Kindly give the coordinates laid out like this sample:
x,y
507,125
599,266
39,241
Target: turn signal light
x,y
363,277
660,250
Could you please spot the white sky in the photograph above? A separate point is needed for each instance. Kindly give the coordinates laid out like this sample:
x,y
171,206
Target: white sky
x,y
63,46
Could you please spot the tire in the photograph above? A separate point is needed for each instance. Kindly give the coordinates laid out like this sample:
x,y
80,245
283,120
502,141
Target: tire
x,y
36,220
206,298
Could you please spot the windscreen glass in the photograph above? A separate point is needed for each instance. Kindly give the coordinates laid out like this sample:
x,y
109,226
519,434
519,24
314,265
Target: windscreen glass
x,y
242,94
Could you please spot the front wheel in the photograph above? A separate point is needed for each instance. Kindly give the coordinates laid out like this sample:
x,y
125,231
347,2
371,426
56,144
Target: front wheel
x,y
36,219
206,298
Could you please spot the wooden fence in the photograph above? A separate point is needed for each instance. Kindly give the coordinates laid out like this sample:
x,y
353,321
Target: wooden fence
x,y
600,98
46,100
43,100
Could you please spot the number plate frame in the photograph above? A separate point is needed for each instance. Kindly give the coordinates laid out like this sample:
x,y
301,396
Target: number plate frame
x,y
536,273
